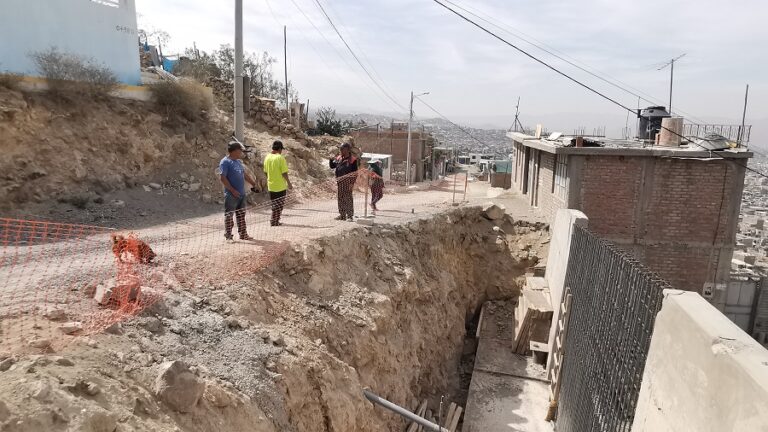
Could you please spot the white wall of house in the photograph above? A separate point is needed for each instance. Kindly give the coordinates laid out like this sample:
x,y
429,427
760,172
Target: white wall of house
x,y
104,30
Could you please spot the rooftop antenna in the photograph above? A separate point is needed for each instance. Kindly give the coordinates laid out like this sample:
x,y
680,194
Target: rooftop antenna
x,y
671,65
517,123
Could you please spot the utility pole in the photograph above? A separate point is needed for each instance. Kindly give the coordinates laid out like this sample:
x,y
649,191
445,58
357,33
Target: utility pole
x,y
285,56
239,114
671,65
744,117
408,155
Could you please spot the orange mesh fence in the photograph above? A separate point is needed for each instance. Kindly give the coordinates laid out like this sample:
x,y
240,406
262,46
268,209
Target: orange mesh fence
x,y
59,281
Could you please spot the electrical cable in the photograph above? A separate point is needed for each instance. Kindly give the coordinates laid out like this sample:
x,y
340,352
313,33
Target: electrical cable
x,y
357,59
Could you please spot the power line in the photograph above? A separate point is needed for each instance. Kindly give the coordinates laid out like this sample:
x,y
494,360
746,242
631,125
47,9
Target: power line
x,y
357,59
584,85
454,124
336,51
532,57
573,62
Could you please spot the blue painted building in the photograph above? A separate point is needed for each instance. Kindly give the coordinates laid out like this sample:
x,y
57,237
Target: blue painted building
x,y
104,30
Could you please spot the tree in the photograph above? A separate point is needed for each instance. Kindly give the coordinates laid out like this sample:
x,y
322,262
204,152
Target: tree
x,y
328,123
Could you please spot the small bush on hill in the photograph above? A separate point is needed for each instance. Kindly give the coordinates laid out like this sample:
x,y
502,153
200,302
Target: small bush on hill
x,y
10,80
185,98
327,123
69,75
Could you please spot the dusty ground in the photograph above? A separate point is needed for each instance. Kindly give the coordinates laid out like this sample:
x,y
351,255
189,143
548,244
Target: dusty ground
x,y
290,348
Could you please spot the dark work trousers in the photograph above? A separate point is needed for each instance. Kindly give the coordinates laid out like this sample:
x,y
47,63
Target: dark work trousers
x,y
278,203
234,206
346,185
377,191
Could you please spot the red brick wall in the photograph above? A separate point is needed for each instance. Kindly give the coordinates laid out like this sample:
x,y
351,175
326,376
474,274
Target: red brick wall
x,y
387,142
668,212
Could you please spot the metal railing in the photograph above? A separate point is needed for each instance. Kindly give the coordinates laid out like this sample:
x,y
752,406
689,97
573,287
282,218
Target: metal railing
x,y
614,306
731,132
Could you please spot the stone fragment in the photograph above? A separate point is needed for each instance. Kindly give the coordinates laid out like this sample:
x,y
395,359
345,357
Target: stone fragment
x,y
178,387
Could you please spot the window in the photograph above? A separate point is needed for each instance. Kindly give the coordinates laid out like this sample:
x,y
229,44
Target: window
x,y
560,182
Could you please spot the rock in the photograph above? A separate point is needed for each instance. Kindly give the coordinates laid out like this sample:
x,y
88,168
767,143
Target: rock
x,y
155,186
185,186
318,342
96,420
494,212
233,323
61,361
5,413
40,343
207,198
115,329
147,188
55,314
91,389
277,340
71,327
40,391
6,364
117,292
152,325
184,176
217,396
194,187
178,387
145,359
213,154
118,203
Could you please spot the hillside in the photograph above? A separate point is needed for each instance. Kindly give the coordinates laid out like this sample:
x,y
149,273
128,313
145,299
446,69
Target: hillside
x,y
122,163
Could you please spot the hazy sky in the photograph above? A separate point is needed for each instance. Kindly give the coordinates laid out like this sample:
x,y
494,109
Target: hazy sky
x,y
471,77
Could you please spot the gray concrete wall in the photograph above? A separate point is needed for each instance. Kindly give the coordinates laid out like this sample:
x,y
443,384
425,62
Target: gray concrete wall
x,y
557,261
703,373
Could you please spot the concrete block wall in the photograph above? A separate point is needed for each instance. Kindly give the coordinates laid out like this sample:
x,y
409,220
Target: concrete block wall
x,y
678,216
702,373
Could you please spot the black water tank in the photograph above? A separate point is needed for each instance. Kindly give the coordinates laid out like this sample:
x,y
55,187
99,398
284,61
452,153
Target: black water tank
x,y
650,122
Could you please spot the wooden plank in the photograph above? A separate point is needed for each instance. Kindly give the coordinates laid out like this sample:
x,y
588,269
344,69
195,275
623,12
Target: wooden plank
x,y
480,322
419,412
455,421
449,415
539,346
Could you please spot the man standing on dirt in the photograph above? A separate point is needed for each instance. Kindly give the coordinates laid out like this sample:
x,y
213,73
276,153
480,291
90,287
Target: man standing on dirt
x,y
377,182
345,165
233,177
278,184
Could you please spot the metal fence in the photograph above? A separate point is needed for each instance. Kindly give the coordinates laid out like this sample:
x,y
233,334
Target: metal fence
x,y
731,132
614,306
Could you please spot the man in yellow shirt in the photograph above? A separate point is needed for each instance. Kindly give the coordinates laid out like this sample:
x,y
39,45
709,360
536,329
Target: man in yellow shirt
x,y
278,183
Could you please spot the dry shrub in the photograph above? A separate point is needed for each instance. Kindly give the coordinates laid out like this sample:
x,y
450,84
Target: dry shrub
x,y
184,98
69,75
10,81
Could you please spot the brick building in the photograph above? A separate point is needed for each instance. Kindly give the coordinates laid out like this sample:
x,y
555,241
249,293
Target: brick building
x,y
393,140
675,208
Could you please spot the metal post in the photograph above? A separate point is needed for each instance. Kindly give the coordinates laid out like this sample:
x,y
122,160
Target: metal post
x,y
285,57
403,412
239,114
408,154
466,182
455,179
671,79
367,186
744,117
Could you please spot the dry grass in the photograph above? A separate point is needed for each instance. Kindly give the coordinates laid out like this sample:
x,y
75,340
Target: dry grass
x,y
10,81
186,99
70,76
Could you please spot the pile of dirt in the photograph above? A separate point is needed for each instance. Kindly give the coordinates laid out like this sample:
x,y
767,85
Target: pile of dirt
x,y
292,347
122,163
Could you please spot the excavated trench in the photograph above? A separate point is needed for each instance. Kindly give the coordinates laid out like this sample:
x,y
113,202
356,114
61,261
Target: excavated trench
x,y
392,309
291,348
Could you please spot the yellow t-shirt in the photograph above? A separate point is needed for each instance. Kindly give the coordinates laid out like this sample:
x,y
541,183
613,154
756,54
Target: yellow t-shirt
x,y
275,166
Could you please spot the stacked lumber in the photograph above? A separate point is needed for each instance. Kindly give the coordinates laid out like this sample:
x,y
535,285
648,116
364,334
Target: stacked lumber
x,y
532,320
450,420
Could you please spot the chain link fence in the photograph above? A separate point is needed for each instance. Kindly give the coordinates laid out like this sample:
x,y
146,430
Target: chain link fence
x,y
614,306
